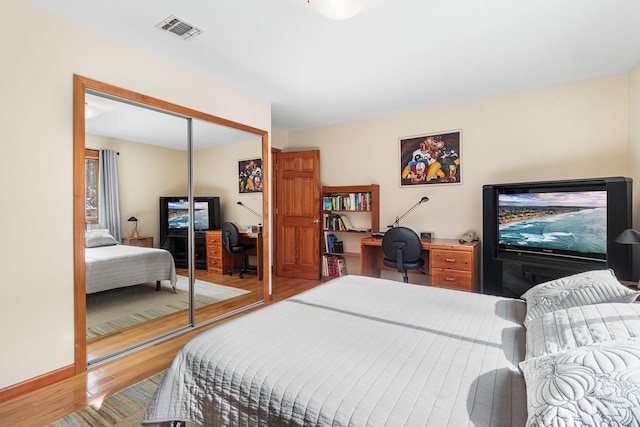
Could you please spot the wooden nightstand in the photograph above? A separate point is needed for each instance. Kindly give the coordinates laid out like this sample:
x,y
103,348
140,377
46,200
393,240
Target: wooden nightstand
x,y
146,242
631,285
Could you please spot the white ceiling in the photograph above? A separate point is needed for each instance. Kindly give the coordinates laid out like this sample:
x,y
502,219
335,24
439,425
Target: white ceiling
x,y
397,55
122,120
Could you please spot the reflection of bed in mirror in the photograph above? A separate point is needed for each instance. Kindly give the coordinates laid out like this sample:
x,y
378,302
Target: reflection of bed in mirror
x,y
110,265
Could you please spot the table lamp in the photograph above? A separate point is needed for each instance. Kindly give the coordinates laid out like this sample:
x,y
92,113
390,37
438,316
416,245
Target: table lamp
x,y
629,237
135,228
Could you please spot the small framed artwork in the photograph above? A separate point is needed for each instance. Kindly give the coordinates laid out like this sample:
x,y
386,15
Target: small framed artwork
x,y
250,176
426,236
431,159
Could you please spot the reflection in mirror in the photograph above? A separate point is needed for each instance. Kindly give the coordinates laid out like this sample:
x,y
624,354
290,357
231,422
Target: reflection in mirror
x,y
132,292
222,285
153,171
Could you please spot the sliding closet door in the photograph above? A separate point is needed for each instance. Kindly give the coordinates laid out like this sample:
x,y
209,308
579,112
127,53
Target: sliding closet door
x,y
217,153
134,295
179,175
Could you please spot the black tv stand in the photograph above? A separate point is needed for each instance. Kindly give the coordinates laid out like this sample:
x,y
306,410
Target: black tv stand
x,y
176,243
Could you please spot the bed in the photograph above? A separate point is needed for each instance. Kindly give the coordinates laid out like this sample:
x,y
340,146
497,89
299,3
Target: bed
x,y
359,351
110,265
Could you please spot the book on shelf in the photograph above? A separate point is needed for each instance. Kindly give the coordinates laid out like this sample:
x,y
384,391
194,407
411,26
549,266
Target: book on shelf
x,y
349,227
347,202
330,240
334,266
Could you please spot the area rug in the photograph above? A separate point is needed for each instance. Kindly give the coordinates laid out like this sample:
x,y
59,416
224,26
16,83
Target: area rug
x,y
125,408
117,309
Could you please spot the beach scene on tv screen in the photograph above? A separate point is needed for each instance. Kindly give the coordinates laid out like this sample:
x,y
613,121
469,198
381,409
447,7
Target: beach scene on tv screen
x,y
178,215
567,221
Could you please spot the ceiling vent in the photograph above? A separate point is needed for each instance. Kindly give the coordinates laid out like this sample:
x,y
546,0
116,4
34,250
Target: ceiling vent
x,y
179,27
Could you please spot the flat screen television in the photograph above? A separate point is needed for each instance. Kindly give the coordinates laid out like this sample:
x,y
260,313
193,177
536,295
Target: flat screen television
x,y
174,214
566,226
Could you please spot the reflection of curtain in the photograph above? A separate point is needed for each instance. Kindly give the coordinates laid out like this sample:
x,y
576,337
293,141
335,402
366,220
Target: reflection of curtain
x,y
109,204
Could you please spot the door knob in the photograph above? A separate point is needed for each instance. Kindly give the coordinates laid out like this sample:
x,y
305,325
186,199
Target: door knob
x,y
316,221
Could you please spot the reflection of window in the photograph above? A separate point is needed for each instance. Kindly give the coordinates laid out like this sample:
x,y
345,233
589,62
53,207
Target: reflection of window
x,y
91,195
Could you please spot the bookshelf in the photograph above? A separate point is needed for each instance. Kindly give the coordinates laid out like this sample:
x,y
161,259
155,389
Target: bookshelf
x,y
349,213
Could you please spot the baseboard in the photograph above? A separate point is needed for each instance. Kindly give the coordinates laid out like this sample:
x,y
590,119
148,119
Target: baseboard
x,y
36,383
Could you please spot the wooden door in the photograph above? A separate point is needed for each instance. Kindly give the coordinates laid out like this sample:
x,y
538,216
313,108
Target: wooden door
x,y
298,214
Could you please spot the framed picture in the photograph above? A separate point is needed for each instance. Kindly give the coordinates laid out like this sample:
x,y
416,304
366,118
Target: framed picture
x,y
431,159
250,176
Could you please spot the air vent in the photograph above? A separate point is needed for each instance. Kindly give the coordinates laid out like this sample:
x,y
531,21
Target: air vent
x,y
179,27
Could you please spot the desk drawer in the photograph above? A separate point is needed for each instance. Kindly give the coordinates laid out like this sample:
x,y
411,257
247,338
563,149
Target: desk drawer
x,y
452,279
451,260
214,251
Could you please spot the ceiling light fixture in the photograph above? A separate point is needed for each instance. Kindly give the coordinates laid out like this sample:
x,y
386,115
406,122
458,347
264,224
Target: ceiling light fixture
x,y
91,111
338,9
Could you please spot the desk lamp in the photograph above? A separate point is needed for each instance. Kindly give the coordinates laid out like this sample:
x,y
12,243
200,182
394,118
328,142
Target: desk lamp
x,y
629,237
397,221
254,212
135,229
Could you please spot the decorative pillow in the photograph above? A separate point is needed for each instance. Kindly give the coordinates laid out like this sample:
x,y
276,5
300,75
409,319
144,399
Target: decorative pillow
x,y
588,386
581,326
99,237
591,287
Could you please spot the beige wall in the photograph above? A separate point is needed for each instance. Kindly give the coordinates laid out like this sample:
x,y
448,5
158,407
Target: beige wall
x,y
575,130
37,326
216,174
145,172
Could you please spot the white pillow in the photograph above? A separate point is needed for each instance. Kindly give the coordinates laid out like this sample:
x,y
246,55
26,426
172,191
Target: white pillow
x,y
99,237
589,386
590,287
575,327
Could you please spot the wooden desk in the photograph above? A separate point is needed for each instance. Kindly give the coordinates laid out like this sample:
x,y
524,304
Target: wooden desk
x,y
220,261
448,263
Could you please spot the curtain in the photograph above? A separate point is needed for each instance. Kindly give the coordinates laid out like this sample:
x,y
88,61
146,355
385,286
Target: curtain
x,y
109,199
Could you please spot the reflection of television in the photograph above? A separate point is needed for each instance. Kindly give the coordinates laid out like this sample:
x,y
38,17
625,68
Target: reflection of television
x,y
174,214
555,228
178,215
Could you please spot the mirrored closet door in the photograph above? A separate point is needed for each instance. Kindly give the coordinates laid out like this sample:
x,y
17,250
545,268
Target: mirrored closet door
x,y
154,184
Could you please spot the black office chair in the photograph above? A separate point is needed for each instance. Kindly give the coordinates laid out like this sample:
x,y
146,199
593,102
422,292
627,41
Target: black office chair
x,y
231,240
402,249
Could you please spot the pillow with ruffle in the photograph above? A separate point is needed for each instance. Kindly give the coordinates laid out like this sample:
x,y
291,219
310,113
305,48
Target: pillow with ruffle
x,y
590,287
575,327
588,386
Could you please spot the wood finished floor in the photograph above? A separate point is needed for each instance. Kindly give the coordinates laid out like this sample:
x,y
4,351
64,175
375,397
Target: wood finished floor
x,y
50,403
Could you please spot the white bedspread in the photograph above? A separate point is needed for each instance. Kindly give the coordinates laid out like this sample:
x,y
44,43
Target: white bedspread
x,y
355,351
118,266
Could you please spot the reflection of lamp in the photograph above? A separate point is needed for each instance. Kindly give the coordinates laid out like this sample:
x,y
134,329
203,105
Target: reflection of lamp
x,y
135,229
338,9
254,212
629,237
397,221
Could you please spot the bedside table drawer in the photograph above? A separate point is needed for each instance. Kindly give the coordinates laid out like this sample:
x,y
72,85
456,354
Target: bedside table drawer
x,y
145,242
452,279
453,260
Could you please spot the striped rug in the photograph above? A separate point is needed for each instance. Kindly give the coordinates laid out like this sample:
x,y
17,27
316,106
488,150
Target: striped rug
x,y
121,308
125,408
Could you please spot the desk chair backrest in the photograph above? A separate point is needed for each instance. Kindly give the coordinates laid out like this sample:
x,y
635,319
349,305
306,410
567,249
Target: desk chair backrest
x,y
401,244
402,250
230,236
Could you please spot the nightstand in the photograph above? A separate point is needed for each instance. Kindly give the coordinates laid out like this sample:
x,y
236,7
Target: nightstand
x,y
631,285
146,242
